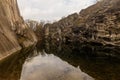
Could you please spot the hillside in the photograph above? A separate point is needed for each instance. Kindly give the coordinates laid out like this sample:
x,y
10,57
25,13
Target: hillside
x,y
98,25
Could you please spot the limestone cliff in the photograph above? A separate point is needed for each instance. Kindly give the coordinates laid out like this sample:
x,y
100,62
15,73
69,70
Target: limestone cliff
x,y
14,33
98,25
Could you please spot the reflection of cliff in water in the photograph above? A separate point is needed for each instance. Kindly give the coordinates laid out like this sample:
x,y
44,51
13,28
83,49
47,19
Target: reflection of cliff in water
x,y
100,67
10,68
92,49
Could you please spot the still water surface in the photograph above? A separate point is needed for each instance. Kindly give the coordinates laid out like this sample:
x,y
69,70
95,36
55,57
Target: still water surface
x,y
59,63
50,67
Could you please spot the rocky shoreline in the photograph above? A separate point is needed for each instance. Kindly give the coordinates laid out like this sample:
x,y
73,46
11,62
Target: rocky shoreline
x,y
98,25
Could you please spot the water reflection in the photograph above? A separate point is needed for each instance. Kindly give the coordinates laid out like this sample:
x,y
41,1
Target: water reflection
x,y
10,69
100,68
50,67
39,66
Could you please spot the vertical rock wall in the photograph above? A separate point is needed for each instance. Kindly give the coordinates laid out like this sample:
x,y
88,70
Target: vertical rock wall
x,y
14,33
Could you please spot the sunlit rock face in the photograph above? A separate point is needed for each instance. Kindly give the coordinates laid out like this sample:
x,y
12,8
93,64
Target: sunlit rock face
x,y
50,67
99,22
97,25
14,33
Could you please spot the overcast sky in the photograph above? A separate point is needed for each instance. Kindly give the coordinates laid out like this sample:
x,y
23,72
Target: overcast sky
x,y
50,10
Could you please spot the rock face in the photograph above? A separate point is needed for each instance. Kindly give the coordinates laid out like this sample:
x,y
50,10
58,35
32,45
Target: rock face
x,y
98,25
14,33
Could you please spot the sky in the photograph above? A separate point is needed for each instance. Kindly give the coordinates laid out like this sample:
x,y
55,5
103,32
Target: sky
x,y
51,10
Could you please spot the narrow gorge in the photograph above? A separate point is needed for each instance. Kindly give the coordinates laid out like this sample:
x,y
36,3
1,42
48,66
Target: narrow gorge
x,y
80,46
